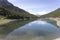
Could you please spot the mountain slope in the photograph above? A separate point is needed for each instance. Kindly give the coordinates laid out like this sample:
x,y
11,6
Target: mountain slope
x,y
54,14
10,11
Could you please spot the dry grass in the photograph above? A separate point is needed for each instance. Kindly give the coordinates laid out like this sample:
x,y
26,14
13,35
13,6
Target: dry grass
x,y
4,21
58,19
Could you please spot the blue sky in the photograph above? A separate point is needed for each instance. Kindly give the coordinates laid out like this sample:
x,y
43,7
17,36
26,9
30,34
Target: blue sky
x,y
37,7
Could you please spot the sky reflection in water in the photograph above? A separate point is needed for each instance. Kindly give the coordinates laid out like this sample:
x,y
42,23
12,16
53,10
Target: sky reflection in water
x,y
36,30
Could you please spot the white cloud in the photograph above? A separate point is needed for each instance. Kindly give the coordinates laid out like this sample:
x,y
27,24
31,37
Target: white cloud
x,y
39,13
36,6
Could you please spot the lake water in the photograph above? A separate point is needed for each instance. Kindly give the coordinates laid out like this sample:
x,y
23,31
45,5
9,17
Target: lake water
x,y
36,30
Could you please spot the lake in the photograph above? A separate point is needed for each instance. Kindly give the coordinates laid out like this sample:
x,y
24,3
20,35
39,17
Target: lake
x,y
36,30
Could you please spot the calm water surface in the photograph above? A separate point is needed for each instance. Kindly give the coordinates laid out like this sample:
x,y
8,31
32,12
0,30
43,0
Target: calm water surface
x,y
36,30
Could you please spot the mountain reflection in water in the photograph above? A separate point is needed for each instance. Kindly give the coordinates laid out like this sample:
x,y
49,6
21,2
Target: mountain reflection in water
x,y
36,30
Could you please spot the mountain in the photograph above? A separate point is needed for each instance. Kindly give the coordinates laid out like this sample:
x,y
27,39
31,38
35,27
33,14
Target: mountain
x,y
8,10
54,14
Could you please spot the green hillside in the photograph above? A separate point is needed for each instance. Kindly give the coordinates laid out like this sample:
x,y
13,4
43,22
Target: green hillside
x,y
10,11
54,14
12,17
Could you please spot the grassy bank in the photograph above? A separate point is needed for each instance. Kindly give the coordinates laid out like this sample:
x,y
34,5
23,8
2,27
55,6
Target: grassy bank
x,y
10,26
4,21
